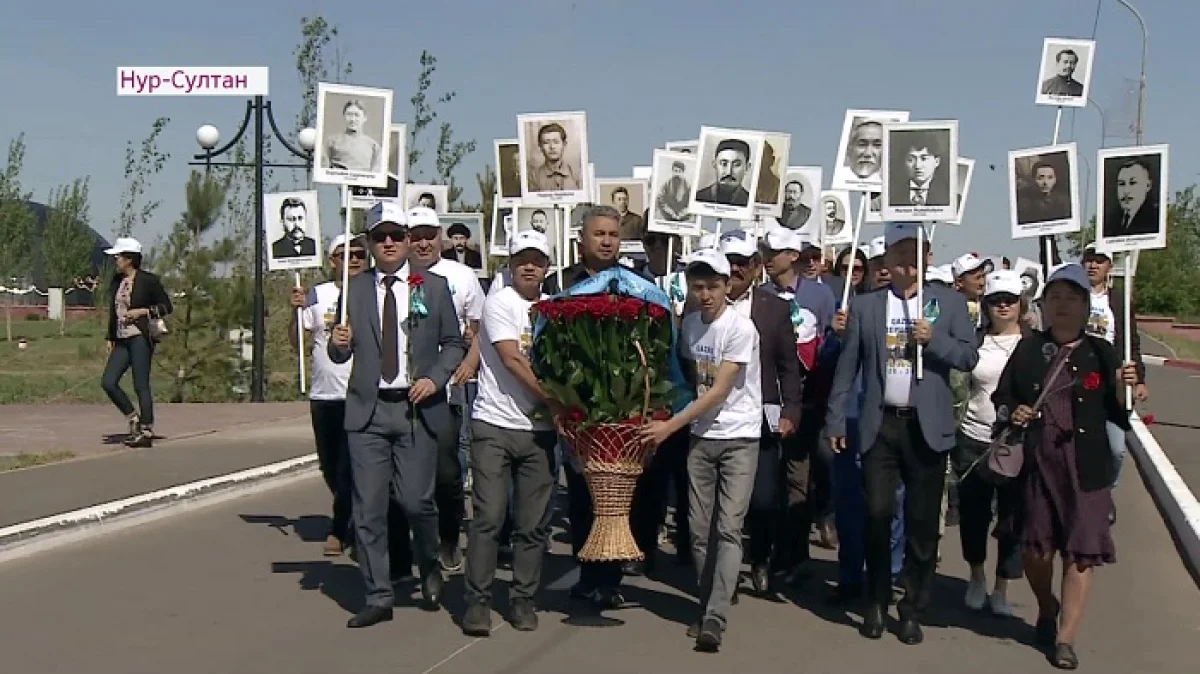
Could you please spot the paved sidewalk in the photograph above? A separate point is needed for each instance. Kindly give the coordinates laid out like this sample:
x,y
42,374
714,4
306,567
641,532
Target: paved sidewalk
x,y
34,493
1174,402
93,430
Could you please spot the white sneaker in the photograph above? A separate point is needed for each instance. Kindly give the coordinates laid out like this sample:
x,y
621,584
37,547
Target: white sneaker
x,y
999,606
976,594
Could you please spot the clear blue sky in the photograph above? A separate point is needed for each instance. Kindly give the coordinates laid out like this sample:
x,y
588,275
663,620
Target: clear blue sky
x,y
646,73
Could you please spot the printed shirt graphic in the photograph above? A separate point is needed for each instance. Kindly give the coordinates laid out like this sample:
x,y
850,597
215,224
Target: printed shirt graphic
x,y
730,338
1101,322
901,350
329,380
975,311
502,400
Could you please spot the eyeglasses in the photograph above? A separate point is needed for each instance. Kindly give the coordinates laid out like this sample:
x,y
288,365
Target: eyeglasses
x,y
355,254
396,235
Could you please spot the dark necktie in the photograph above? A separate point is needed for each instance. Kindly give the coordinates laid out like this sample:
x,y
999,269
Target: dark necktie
x,y
1126,220
391,336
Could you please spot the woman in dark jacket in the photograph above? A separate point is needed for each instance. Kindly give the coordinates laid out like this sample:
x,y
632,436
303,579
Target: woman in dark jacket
x,y
138,300
1068,467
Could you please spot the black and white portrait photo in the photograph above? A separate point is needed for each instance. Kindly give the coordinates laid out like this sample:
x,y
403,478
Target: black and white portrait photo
x,y
1032,277
768,195
543,219
684,146
463,239
352,135
860,150
508,171
628,196
503,224
801,190
874,214
292,225
728,172
920,171
554,157
671,193
1066,71
1133,198
836,228
363,198
436,197
1043,191
966,170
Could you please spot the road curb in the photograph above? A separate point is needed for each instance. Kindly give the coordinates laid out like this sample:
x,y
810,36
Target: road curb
x,y
25,538
1178,504
1171,362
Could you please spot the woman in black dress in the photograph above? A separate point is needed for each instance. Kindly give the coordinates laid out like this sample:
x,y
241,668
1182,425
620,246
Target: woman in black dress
x,y
1068,467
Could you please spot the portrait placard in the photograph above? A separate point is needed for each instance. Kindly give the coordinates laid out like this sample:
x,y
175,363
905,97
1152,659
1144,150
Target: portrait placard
x,y
920,171
363,198
728,173
591,185
684,146
628,196
508,171
837,228
966,169
1032,277
643,173
801,191
554,157
674,174
1065,73
768,195
503,224
1132,198
436,197
292,229
462,240
860,150
543,219
352,138
874,215
1043,192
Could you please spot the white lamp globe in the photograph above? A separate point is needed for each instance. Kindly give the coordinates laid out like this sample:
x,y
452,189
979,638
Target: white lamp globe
x,y
308,139
207,136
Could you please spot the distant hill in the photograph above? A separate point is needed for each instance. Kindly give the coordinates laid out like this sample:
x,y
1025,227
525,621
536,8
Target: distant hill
x,y
75,298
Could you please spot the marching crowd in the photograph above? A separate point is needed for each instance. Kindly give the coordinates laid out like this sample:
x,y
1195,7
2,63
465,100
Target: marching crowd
x,y
966,399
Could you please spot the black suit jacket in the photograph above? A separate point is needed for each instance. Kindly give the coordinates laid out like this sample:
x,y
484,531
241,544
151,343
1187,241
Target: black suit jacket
x,y
285,248
147,293
1145,221
709,194
781,379
937,195
471,258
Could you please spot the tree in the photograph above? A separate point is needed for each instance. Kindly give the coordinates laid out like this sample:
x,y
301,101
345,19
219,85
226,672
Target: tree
x,y
142,163
314,65
1168,280
448,153
68,242
16,228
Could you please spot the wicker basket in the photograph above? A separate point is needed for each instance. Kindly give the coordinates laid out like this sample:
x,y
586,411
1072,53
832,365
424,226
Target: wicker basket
x,y
612,459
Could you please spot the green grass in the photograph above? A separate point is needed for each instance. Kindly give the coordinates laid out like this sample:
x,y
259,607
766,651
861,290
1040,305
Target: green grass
x,y
28,460
1185,349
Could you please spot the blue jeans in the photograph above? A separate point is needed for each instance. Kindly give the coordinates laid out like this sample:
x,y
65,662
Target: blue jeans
x,y
850,515
467,395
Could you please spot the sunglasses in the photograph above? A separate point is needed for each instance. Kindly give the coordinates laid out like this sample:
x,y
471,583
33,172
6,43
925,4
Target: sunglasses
x,y
738,260
1003,300
424,233
355,254
858,268
396,235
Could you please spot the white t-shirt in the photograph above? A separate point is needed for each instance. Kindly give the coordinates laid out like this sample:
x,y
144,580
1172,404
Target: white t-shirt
x,y
329,379
1101,322
465,292
500,281
981,413
502,400
730,338
901,315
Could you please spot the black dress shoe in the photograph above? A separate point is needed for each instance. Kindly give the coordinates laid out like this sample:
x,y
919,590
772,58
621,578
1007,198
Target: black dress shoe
x,y
371,615
431,590
910,632
477,622
760,578
872,627
709,639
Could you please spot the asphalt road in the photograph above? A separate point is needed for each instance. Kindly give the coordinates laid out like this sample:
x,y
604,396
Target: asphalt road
x,y
241,587
1175,404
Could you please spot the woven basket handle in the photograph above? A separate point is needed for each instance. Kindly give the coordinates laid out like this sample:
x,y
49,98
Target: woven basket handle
x,y
646,379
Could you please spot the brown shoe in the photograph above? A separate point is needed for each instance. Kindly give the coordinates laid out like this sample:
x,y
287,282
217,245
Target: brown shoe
x,y
333,546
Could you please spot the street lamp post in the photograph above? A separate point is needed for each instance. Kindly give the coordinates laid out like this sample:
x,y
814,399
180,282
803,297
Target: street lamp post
x,y
207,137
1142,78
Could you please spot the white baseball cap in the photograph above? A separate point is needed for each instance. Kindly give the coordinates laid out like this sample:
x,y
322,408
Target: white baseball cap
x,y
709,241
124,245
782,238
738,243
895,232
940,273
711,258
1073,273
529,239
386,211
877,248
1004,281
967,263
423,216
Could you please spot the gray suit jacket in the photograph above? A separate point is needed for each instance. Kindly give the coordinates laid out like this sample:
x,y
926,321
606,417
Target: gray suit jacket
x,y
864,347
436,347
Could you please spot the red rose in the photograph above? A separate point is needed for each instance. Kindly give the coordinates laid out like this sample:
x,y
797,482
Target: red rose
x,y
657,312
1091,381
1147,419
575,415
416,280
629,309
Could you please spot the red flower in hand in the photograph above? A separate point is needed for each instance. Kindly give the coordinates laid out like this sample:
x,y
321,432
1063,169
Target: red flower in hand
x,y
1091,381
1147,419
415,280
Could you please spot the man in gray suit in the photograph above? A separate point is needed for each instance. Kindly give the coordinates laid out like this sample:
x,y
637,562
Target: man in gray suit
x,y
403,334
907,423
